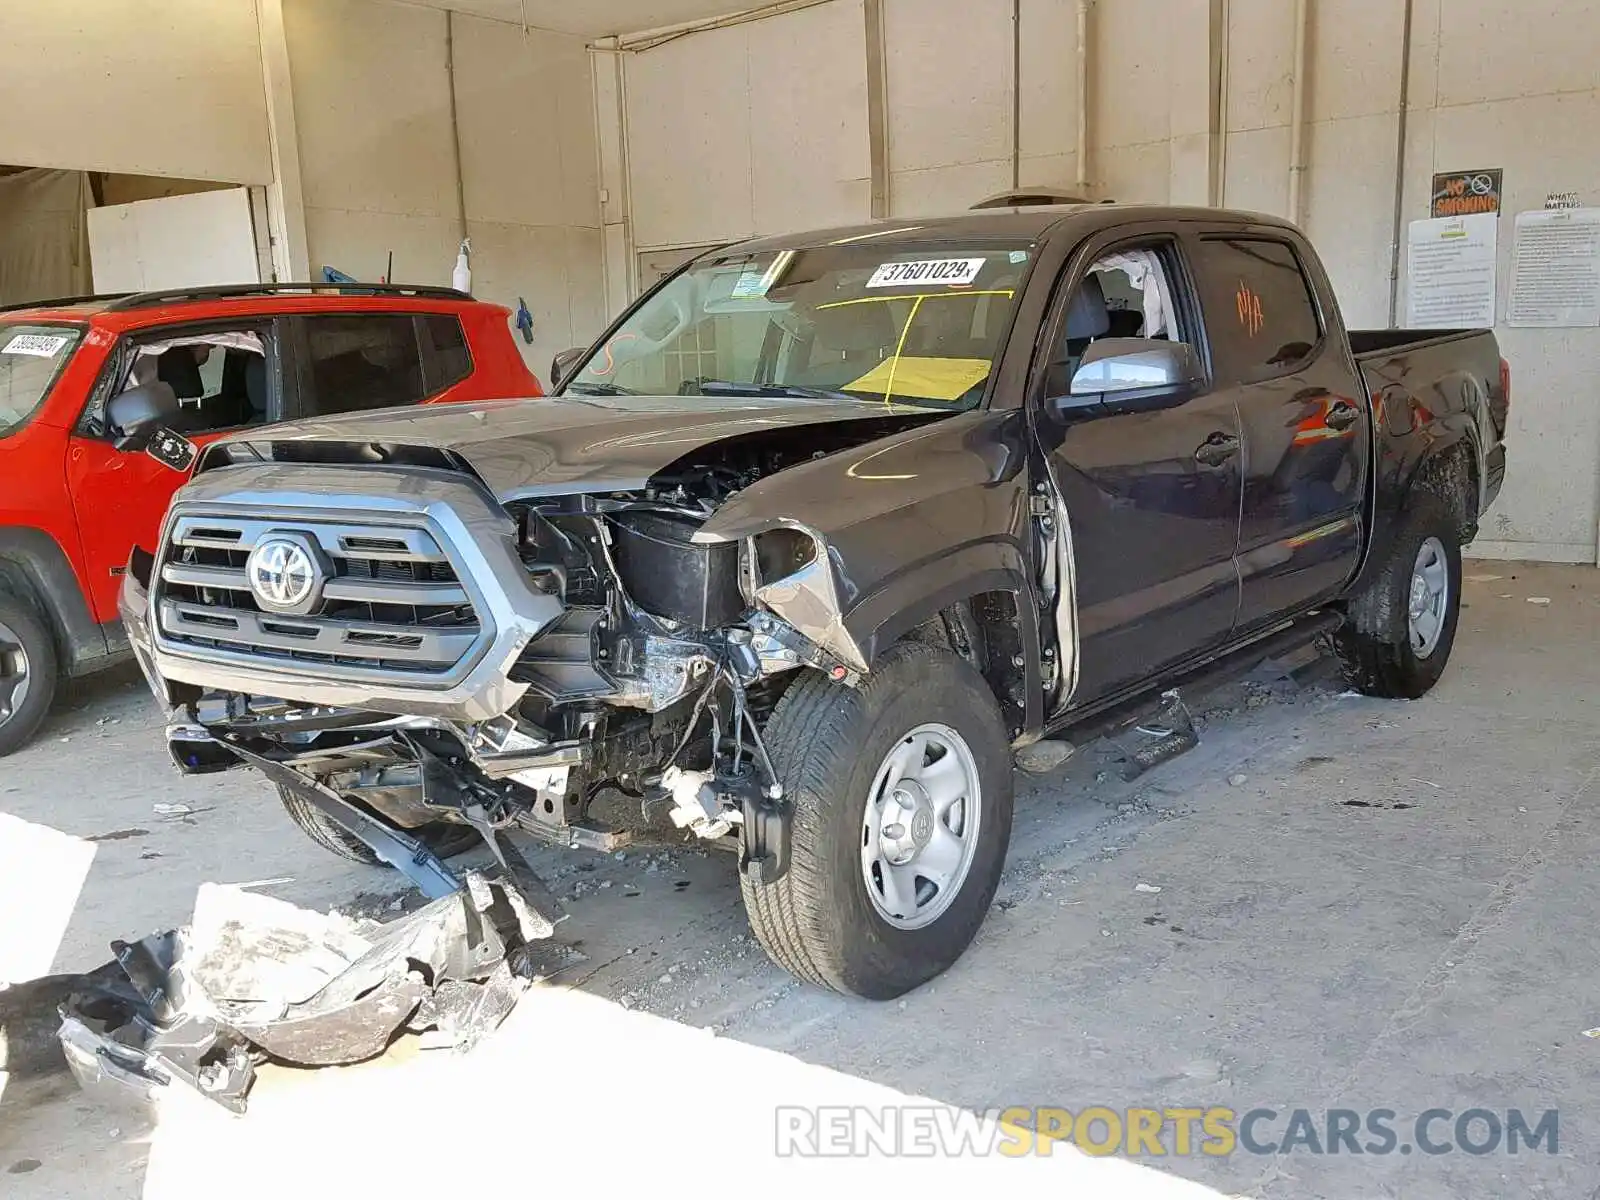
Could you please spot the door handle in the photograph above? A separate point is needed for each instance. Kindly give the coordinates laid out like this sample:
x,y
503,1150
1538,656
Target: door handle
x,y
1342,415
1217,449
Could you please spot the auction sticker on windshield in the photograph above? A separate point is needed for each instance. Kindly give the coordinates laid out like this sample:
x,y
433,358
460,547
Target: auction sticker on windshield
x,y
36,345
945,272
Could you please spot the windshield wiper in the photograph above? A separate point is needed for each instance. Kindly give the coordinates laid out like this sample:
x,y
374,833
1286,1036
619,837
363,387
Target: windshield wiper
x,y
728,387
599,389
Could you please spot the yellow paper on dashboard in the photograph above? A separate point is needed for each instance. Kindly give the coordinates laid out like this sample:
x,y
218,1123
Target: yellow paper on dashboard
x,y
923,378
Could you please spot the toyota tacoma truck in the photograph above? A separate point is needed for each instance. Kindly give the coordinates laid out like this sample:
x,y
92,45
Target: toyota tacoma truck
x,y
80,493
810,542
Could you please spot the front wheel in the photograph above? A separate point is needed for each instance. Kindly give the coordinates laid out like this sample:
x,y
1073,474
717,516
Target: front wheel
x,y
901,793
442,837
1402,626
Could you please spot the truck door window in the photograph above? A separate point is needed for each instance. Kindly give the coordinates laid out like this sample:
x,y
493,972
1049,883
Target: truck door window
x,y
1257,292
218,375
1125,294
360,363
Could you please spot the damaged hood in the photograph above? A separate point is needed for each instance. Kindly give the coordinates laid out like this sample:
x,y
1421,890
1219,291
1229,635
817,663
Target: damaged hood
x,y
530,448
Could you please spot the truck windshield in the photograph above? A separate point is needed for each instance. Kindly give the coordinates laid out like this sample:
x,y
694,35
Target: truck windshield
x,y
910,325
31,356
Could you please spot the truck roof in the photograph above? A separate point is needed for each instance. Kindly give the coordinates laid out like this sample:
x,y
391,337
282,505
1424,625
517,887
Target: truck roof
x,y
131,310
1028,223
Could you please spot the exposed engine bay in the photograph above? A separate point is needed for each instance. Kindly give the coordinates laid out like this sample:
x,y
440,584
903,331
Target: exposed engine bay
x,y
650,688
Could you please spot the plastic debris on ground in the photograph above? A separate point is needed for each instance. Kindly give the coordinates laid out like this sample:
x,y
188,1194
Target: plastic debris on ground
x,y
254,978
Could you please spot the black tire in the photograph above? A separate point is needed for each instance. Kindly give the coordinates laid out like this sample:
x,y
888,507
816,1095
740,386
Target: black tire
x,y
827,743
442,837
19,721
1374,645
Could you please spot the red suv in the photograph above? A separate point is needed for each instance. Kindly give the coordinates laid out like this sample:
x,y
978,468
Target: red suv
x,y
76,496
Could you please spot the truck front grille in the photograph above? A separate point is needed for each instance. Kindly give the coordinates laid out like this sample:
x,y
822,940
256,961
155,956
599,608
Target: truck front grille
x,y
392,601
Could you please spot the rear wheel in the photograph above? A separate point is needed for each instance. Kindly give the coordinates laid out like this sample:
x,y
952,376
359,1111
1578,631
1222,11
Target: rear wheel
x,y
28,673
901,794
1402,628
442,837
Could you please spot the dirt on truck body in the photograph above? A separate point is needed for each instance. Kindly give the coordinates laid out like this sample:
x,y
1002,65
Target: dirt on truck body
x,y
811,541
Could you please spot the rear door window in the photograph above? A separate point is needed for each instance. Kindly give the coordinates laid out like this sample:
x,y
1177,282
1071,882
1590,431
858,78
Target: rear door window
x,y
1260,305
31,357
446,359
358,363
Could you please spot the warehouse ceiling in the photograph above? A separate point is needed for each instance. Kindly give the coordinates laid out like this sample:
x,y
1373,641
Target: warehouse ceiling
x,y
596,18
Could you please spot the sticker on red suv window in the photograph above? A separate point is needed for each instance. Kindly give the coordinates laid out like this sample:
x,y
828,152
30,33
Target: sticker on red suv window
x,y
940,272
36,345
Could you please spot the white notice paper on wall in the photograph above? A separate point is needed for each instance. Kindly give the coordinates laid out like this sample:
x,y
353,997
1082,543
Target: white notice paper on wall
x,y
1451,265
1556,281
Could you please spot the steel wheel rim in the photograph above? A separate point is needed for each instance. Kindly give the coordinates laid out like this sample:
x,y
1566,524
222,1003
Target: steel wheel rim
x,y
1428,601
919,833
15,680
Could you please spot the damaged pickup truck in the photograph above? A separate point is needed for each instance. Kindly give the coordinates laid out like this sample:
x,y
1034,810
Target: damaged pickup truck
x,y
812,540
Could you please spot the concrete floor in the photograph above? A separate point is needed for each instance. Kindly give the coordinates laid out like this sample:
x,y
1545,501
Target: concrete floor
x,y
1363,905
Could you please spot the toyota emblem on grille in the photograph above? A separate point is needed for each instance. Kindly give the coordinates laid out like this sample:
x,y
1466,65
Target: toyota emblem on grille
x,y
282,574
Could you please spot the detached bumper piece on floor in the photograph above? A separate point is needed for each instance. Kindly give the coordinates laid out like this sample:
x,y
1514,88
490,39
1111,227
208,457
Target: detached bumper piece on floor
x,y
254,978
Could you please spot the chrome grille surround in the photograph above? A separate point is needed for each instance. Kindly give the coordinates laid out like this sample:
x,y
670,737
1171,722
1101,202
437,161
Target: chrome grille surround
x,y
424,607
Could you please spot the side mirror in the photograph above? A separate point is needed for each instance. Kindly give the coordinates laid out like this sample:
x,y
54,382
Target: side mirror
x,y
562,365
1119,375
135,416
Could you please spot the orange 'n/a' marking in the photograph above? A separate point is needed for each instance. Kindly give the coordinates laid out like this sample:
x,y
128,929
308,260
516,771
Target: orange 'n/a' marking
x,y
1251,315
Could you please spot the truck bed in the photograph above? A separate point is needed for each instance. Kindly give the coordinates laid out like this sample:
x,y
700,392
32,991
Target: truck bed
x,y
1417,370
1369,342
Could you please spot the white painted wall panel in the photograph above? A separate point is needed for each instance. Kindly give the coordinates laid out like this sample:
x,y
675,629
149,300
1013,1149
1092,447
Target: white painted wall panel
x,y
757,128
1130,94
1356,58
1350,211
949,83
688,112
811,163
142,87
1049,92
197,240
1260,66
373,108
527,100
1500,50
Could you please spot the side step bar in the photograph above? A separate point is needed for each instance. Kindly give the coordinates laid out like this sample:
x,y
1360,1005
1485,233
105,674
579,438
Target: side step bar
x,y
1120,711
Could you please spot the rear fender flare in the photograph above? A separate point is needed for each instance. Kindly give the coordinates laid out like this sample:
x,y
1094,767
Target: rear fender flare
x,y
1434,466
1417,457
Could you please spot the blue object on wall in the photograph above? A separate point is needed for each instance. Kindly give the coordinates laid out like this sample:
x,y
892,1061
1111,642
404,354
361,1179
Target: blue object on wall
x,y
524,321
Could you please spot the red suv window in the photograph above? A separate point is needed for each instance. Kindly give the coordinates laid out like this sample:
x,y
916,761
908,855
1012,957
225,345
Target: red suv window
x,y
31,356
363,362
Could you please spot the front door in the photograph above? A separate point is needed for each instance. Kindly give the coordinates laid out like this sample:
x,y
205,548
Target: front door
x,y
225,377
1306,437
1152,497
